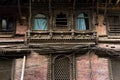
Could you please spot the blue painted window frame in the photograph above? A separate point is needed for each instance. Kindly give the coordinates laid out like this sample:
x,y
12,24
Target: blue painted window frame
x,y
81,22
40,22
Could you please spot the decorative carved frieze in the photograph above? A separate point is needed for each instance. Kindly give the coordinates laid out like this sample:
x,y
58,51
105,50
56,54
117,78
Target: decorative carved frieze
x,y
6,34
62,36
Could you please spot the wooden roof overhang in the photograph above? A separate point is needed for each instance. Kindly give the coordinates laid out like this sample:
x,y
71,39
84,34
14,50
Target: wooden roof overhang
x,y
10,52
14,52
74,2
77,49
103,52
60,48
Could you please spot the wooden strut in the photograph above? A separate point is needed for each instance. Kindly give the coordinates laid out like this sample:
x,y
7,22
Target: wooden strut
x,y
29,21
23,68
30,14
50,67
50,13
106,4
97,13
90,65
74,67
97,7
109,1
93,3
110,69
117,2
73,13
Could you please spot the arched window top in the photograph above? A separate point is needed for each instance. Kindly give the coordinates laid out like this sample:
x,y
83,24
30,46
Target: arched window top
x,y
40,16
59,56
83,15
62,68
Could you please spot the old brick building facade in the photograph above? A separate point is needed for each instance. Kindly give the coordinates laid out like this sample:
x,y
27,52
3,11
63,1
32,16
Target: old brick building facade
x,y
59,39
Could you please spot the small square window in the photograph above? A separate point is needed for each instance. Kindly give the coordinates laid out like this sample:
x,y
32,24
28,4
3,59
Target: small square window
x,y
61,20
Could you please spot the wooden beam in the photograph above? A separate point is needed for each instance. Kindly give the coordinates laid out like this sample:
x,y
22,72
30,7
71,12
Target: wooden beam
x,y
109,8
93,4
30,14
117,2
19,9
106,4
50,14
87,0
97,7
109,1
73,12
49,6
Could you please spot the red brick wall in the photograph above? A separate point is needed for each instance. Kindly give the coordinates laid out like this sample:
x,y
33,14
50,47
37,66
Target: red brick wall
x,y
36,67
98,71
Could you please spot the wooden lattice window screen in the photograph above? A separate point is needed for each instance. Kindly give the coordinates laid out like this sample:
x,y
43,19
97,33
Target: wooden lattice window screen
x,y
62,68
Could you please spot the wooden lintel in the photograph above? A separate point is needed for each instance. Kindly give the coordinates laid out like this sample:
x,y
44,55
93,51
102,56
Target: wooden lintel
x,y
109,8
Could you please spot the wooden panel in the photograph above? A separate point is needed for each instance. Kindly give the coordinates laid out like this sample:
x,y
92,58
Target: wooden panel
x,y
116,69
5,69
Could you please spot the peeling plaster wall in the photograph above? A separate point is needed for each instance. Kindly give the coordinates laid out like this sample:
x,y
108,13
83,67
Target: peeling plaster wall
x,y
21,29
100,27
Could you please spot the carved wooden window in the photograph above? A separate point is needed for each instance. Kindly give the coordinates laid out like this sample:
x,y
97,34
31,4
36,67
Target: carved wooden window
x,y
113,24
61,20
62,68
6,72
7,24
82,22
40,22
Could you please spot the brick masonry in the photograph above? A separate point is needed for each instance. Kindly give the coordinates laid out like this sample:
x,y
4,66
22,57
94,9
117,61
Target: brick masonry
x,y
97,71
37,66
